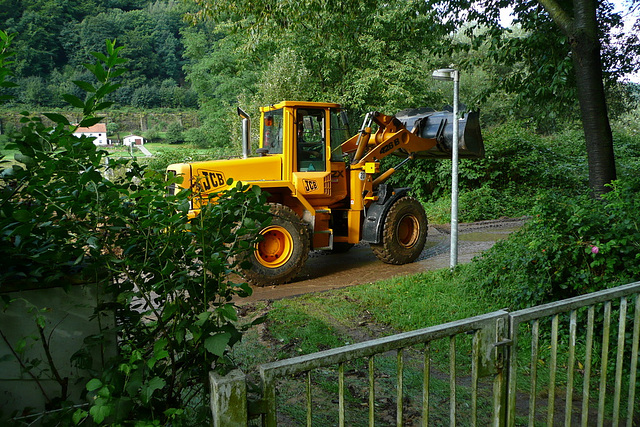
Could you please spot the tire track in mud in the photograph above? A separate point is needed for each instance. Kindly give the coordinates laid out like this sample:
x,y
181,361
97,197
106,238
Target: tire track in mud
x,y
324,271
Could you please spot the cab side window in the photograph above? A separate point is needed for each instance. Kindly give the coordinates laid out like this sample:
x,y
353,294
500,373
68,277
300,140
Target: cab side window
x,y
273,132
339,134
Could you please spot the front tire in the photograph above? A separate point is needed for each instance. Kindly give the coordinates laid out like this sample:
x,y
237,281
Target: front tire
x,y
281,253
404,233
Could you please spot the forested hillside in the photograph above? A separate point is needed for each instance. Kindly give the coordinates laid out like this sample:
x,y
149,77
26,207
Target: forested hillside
x,y
215,55
55,38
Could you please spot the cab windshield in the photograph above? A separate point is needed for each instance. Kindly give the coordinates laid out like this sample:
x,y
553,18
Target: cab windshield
x,y
310,139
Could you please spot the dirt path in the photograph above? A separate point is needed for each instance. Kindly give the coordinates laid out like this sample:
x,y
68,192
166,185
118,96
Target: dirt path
x,y
324,271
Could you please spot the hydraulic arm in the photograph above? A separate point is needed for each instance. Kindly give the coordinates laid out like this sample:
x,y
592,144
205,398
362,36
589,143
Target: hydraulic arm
x,y
430,136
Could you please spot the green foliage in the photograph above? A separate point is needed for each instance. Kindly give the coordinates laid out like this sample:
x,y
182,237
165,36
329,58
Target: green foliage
x,y
55,40
569,247
518,164
175,300
531,60
286,77
626,131
62,221
5,62
145,96
174,133
152,135
221,73
316,53
197,138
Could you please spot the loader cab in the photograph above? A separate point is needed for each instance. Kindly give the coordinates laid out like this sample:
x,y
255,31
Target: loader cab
x,y
305,128
308,137
313,130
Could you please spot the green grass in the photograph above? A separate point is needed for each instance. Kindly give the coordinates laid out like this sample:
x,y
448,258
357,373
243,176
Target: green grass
x,y
319,321
156,148
421,300
314,322
324,320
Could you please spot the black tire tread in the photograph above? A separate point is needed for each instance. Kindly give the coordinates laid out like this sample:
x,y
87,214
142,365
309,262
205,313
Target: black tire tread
x,y
386,251
259,275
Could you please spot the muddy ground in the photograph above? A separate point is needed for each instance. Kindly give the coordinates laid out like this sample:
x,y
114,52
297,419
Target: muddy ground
x,y
324,271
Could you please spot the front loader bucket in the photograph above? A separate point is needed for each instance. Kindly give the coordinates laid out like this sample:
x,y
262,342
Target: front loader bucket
x,y
438,125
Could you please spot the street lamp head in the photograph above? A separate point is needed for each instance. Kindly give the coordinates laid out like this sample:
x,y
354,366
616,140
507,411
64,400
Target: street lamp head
x,y
445,74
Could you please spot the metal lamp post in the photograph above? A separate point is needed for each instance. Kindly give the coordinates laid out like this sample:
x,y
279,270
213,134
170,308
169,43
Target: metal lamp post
x,y
451,74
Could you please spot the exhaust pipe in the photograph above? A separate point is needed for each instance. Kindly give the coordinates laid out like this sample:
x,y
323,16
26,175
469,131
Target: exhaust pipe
x,y
246,133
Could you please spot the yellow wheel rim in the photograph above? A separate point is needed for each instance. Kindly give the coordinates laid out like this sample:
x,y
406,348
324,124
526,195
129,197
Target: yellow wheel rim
x,y
276,247
408,231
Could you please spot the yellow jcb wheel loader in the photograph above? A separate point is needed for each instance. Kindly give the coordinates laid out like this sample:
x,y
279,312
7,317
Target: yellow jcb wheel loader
x,y
326,189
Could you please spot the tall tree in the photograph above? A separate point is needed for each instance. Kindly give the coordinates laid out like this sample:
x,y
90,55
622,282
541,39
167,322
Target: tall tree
x,y
360,53
580,26
586,32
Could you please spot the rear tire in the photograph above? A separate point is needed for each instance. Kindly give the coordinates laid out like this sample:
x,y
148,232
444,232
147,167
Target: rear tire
x,y
282,251
404,233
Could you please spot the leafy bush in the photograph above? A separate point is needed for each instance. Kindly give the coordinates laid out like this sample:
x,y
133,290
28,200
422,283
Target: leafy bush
x,y
197,138
517,164
486,202
571,246
626,145
63,221
174,133
152,135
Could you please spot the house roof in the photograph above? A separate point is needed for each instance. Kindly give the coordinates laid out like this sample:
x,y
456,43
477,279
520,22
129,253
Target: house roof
x,y
97,128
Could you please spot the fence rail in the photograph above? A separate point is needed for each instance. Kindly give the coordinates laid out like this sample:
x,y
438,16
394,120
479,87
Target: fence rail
x,y
578,358
482,343
548,364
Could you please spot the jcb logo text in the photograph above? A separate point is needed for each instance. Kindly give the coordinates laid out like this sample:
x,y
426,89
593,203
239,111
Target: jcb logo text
x,y
212,180
310,185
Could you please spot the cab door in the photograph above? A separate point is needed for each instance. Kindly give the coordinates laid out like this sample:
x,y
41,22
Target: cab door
x,y
312,177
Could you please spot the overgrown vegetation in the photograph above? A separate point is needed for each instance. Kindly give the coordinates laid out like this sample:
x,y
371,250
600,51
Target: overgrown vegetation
x,y
507,179
60,217
570,246
66,219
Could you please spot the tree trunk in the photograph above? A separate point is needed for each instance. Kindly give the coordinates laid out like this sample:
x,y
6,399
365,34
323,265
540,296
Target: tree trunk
x,y
582,31
587,62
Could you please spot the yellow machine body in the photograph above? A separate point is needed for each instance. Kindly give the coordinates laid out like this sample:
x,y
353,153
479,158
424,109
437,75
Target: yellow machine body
x,y
310,164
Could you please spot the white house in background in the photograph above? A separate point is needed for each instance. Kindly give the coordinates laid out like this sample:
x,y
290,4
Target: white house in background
x,y
97,131
133,140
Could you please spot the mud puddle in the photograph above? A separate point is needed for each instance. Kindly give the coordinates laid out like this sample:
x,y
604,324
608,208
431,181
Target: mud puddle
x,y
325,271
489,235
